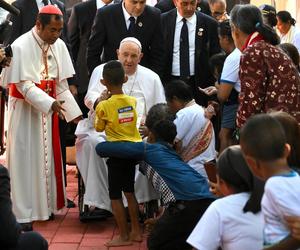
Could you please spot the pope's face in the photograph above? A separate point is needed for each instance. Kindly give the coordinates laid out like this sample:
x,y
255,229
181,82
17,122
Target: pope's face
x,y
135,7
129,54
186,8
50,32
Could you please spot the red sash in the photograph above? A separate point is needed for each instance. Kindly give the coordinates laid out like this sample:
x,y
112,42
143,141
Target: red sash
x,y
49,86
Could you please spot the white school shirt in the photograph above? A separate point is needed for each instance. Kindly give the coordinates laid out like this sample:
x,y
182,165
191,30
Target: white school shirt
x,y
189,121
281,198
230,72
225,225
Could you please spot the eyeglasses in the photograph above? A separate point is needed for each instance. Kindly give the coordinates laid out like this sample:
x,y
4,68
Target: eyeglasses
x,y
218,14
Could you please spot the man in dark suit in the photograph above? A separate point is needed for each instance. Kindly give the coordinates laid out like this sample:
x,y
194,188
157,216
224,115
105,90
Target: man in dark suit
x,y
11,236
128,18
79,30
166,5
202,43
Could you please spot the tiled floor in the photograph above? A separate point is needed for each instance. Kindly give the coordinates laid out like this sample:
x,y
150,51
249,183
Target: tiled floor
x,y
66,232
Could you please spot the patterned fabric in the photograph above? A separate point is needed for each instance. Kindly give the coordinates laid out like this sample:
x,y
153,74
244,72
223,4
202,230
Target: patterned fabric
x,y
199,143
269,81
158,183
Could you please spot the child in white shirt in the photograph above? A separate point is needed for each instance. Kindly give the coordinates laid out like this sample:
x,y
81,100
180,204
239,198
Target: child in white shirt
x,y
263,142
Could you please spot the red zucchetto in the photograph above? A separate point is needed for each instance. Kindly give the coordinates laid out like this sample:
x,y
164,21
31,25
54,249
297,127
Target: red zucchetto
x,y
50,9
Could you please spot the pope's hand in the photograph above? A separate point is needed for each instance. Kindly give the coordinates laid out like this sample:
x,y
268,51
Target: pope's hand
x,y
57,108
105,94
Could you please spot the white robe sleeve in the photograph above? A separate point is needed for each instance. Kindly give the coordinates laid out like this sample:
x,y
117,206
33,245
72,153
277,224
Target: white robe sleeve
x,y
159,91
70,105
35,96
95,88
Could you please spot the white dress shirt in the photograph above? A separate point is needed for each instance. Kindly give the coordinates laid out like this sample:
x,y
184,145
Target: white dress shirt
x,y
127,16
191,23
101,4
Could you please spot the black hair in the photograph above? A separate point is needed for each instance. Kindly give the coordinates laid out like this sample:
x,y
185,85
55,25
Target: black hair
x,y
164,130
248,19
216,63
224,30
292,52
113,73
157,113
269,13
233,169
263,138
286,17
179,89
45,19
292,133
215,1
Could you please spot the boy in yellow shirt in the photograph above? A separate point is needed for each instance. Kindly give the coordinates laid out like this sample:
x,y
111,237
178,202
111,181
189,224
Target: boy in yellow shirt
x,y
117,117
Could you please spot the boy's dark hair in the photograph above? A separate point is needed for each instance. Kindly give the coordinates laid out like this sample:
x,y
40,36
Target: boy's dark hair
x,y
233,169
224,30
179,89
164,130
292,133
291,50
263,138
45,19
216,63
113,73
157,113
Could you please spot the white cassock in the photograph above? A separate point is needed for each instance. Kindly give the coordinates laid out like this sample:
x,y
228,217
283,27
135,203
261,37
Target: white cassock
x,y
147,88
29,155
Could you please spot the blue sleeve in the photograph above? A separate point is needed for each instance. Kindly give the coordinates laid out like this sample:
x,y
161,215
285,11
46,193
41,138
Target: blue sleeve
x,y
126,150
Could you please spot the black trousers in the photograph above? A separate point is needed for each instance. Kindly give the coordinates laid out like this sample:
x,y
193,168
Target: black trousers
x,y
30,240
121,173
176,224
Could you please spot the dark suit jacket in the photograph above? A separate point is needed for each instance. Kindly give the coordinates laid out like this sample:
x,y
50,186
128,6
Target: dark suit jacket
x,y
110,28
79,30
10,229
206,45
167,5
27,18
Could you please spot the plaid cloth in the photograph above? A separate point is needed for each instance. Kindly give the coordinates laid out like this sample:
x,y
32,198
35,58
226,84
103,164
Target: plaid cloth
x,y
158,183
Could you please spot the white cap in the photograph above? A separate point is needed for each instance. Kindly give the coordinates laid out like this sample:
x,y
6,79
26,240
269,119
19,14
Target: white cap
x,y
132,39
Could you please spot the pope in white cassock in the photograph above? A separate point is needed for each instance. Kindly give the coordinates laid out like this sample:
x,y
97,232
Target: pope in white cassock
x,y
146,87
38,94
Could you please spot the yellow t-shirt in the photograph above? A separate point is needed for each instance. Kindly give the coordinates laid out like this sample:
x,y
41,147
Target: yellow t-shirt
x,y
117,116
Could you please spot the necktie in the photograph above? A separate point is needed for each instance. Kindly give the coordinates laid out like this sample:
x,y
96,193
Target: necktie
x,y
184,50
131,28
45,2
